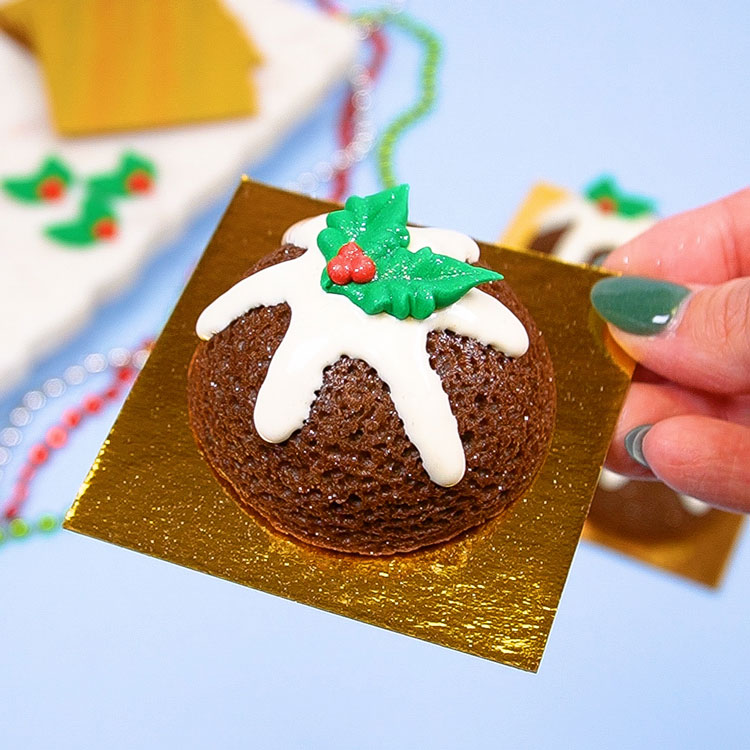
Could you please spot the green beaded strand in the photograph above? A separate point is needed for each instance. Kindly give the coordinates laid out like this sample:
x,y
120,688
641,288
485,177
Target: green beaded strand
x,y
427,86
19,528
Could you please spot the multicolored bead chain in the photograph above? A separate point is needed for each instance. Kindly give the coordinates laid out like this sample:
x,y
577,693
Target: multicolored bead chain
x,y
370,22
124,364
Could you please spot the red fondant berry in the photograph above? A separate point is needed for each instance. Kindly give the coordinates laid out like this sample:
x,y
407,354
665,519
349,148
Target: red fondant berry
x,y
71,418
125,374
51,189
38,454
350,251
93,404
139,182
608,205
363,270
105,229
338,271
56,437
26,474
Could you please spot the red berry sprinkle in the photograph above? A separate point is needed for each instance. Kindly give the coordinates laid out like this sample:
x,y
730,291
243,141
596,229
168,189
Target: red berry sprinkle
x,y
26,474
38,454
112,392
125,374
350,250
56,437
71,418
92,404
607,205
51,189
339,271
351,264
105,229
363,270
139,182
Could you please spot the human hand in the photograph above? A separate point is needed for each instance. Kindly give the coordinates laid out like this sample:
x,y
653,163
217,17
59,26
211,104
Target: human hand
x,y
683,313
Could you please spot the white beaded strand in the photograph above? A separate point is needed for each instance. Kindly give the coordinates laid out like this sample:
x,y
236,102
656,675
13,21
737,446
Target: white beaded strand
x,y
363,137
35,400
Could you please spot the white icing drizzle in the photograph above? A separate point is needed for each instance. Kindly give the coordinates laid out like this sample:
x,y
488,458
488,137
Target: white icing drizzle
x,y
590,228
325,326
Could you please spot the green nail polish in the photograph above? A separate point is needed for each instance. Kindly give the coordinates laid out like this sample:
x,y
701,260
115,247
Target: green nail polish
x,y
636,304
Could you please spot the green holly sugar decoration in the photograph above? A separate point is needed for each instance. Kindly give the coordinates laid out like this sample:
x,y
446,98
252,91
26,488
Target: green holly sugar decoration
x,y
134,174
96,222
406,283
607,194
48,182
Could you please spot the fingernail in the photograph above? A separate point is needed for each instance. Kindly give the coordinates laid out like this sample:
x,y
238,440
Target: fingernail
x,y
634,444
636,304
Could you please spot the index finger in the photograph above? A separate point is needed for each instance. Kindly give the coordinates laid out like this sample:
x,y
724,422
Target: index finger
x,y
708,245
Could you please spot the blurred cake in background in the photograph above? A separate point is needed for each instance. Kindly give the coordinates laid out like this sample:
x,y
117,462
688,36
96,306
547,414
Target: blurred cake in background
x,y
584,228
208,88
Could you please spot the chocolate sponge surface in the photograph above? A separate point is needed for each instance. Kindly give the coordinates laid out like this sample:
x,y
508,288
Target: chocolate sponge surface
x,y
350,480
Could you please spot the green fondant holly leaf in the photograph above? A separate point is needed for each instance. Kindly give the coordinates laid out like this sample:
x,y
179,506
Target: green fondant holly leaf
x,y
134,174
406,283
376,223
97,221
48,182
413,284
606,193
633,206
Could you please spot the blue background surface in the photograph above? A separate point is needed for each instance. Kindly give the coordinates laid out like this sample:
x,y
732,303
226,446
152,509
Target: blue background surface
x,y
102,647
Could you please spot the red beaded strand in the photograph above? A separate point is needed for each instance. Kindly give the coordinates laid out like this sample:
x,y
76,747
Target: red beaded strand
x,y
379,44
56,437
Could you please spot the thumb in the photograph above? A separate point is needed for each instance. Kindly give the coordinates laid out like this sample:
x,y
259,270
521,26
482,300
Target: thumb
x,y
699,339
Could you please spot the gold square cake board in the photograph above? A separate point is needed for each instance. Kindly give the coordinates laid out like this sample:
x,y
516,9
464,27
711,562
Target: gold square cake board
x,y
493,592
702,556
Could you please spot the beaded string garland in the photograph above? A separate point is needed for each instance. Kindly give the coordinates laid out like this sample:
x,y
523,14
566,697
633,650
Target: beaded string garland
x,y
124,365
355,140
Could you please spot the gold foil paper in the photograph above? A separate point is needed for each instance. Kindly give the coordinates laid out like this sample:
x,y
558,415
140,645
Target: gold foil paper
x,y
493,592
701,550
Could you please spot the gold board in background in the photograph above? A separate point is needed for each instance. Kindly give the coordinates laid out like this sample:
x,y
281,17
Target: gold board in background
x,y
16,21
698,549
131,64
493,592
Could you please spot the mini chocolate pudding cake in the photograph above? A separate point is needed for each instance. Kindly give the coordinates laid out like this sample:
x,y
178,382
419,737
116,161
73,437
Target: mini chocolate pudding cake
x,y
359,392
546,242
586,228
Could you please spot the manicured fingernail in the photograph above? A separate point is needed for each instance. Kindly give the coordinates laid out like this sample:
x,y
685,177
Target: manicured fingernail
x,y
634,444
636,304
